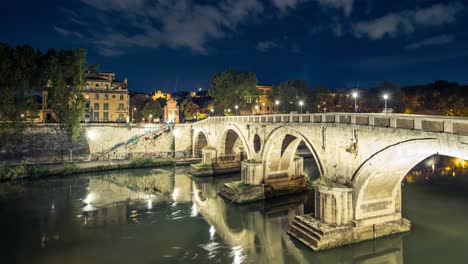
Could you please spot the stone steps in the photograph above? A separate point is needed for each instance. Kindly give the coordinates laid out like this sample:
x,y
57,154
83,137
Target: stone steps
x,y
306,230
306,240
305,223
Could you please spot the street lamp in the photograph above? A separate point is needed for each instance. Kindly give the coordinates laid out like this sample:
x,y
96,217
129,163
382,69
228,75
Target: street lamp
x,y
237,109
301,103
212,111
133,114
385,97
150,118
277,102
355,95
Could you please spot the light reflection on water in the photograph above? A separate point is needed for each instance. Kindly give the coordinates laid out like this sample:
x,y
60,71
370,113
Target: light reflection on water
x,y
163,216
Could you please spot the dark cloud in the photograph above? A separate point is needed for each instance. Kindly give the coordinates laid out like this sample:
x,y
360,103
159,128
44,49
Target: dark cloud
x,y
407,21
433,41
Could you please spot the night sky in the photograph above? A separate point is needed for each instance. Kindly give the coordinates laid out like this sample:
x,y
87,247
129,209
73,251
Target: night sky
x,y
180,44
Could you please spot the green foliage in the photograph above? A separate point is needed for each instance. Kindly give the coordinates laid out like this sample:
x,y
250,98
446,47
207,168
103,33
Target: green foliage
x,y
153,109
35,171
201,165
189,109
137,103
12,172
19,79
289,94
231,88
321,99
141,162
70,168
66,78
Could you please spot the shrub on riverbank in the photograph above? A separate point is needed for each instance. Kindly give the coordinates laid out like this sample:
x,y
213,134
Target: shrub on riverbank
x,y
143,162
12,172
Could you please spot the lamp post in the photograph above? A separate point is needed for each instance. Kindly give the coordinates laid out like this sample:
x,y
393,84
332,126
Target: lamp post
x,y
212,111
277,102
355,95
237,109
133,114
150,118
385,97
301,103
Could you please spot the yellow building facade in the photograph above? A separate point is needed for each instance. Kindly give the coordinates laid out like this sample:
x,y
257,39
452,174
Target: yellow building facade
x,y
261,104
107,99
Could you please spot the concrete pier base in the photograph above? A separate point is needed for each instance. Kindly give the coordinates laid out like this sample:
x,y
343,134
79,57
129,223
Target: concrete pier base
x,y
212,164
240,192
320,236
253,188
333,223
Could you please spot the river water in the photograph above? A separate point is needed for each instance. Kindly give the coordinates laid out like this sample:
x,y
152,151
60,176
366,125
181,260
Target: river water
x,y
165,216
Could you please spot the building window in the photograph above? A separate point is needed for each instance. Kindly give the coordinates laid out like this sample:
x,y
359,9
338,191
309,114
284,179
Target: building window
x,y
106,117
96,96
106,97
87,86
106,106
268,108
121,107
260,108
113,96
96,106
96,117
121,97
121,117
248,100
97,85
107,87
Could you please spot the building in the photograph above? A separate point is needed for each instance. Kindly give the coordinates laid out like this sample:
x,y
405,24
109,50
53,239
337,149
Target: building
x,y
160,94
107,99
171,112
261,104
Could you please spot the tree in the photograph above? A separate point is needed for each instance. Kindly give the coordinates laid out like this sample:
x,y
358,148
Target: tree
x,y
18,79
189,109
137,103
66,80
152,109
321,99
289,94
232,88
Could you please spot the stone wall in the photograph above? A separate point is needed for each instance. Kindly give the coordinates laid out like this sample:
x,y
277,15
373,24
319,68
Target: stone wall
x,y
47,143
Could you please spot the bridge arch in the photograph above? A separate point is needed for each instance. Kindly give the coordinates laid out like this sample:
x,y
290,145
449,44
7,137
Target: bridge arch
x,y
231,140
377,182
279,151
200,141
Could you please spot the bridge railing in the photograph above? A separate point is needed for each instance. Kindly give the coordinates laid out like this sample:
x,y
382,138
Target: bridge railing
x,y
427,123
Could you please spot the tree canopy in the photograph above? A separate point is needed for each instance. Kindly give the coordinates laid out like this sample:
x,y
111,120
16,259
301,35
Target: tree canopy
x,y
152,109
65,81
231,88
189,109
289,94
19,82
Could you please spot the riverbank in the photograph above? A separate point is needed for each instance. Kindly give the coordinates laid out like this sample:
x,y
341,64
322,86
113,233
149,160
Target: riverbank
x,y
22,170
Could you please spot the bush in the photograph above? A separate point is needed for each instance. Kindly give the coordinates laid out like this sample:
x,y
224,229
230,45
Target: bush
x,y
70,168
12,172
141,162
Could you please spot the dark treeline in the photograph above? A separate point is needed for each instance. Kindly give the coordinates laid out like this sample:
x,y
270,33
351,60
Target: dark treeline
x,y
24,73
438,98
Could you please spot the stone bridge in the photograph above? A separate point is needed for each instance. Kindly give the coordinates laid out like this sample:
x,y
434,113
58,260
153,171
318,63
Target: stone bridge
x,y
362,159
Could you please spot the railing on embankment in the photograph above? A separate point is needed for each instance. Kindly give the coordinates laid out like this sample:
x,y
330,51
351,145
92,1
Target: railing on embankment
x,y
129,142
446,124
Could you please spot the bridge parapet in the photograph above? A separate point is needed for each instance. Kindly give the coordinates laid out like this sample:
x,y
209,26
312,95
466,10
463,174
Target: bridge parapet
x,y
426,123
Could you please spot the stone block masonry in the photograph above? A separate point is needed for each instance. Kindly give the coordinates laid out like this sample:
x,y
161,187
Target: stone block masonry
x,y
48,143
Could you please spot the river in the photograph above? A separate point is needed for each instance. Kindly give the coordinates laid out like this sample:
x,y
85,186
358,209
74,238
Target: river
x,y
165,216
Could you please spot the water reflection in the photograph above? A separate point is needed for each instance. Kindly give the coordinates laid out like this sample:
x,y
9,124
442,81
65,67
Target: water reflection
x,y
254,233
161,216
